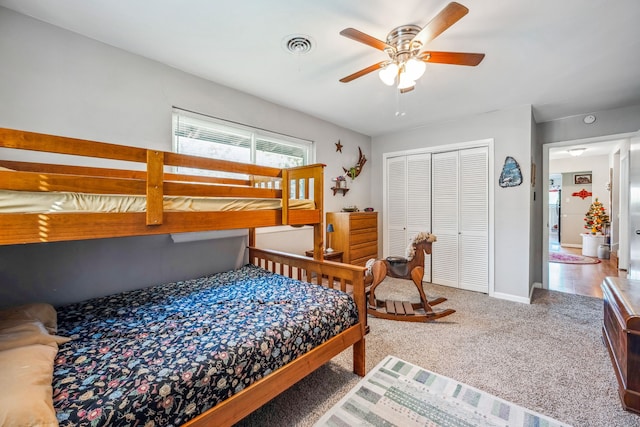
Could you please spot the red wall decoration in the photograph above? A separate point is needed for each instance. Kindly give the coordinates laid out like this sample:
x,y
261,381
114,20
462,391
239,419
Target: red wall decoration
x,y
583,194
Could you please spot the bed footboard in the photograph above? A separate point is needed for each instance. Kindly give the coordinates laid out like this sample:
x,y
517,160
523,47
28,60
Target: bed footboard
x,y
349,277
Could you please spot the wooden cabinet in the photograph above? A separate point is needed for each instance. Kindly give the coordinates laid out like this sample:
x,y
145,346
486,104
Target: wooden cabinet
x,y
621,333
355,235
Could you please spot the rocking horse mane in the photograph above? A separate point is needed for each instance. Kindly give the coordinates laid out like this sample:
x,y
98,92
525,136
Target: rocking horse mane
x,y
422,236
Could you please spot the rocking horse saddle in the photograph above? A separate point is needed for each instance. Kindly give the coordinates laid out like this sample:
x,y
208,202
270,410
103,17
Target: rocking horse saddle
x,y
399,266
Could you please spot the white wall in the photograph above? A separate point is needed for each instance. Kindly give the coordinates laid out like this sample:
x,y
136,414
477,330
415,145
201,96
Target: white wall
x,y
574,207
597,165
511,131
55,81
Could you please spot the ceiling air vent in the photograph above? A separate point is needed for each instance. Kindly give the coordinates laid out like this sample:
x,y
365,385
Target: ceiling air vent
x,y
298,44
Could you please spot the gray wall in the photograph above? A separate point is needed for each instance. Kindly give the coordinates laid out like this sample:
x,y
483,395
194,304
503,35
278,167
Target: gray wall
x,y
55,81
608,122
511,130
536,236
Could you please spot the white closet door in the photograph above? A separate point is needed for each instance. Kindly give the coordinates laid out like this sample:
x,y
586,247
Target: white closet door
x,y
419,201
474,220
445,218
395,242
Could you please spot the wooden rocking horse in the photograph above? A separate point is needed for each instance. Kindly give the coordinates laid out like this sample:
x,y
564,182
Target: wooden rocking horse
x,y
411,267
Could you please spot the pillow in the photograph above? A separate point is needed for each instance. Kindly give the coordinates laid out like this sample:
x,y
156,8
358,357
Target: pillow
x,y
20,333
27,394
6,169
43,312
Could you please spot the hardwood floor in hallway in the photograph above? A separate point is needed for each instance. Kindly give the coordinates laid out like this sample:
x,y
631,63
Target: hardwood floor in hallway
x,y
580,279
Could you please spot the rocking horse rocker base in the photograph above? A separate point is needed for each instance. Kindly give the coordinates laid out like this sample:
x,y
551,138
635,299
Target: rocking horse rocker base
x,y
405,269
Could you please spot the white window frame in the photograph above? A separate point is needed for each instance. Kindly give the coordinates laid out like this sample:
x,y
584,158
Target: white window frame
x,y
252,133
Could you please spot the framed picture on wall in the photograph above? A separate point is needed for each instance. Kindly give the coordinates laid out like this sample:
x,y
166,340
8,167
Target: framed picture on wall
x,y
582,178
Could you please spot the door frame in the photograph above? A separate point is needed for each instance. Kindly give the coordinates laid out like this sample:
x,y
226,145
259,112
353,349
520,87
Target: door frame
x,y
489,143
545,194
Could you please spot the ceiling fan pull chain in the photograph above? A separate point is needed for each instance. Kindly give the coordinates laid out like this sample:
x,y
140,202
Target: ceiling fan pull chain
x,y
399,112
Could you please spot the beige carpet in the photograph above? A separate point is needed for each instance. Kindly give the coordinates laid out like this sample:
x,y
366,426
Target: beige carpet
x,y
547,356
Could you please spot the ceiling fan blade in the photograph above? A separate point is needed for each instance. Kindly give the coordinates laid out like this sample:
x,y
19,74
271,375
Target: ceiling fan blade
x,y
454,58
363,72
361,37
443,20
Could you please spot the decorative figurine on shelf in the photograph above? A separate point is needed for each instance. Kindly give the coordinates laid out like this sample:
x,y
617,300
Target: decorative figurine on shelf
x,y
341,182
596,219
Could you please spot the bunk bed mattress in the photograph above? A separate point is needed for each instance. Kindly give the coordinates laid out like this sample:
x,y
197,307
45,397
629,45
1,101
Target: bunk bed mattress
x,y
163,355
49,202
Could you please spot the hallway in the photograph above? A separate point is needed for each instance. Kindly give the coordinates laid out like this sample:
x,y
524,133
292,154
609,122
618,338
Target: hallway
x,y
580,279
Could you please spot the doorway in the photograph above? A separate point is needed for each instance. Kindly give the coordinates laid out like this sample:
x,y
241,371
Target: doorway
x,y
555,211
598,157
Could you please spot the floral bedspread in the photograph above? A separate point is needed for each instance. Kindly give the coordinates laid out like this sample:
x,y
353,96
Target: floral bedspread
x,y
162,355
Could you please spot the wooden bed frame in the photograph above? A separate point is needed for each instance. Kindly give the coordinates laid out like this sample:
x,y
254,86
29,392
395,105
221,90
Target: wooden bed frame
x,y
153,181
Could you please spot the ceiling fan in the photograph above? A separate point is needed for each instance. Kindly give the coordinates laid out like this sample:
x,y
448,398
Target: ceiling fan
x,y
404,45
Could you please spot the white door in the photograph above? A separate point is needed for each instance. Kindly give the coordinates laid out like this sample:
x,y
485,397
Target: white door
x,y
634,210
474,220
419,201
460,212
396,210
408,203
444,203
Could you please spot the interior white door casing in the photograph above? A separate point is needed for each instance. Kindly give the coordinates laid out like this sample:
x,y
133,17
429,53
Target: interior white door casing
x,y
445,240
623,189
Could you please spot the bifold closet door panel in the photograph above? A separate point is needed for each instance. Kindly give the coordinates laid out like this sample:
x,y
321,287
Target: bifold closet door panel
x,y
445,218
474,219
419,202
396,217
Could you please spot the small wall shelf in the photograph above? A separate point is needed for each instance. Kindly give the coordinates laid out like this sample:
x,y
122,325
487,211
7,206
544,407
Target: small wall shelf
x,y
337,189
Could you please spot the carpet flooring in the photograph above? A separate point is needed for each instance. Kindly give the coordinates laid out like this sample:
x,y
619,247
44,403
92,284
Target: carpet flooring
x,y
547,356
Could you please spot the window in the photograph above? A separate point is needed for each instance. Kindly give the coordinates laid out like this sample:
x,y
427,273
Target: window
x,y
205,136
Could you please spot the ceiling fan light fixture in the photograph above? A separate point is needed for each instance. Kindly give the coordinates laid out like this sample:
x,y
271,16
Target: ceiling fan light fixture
x,y
414,68
405,81
388,74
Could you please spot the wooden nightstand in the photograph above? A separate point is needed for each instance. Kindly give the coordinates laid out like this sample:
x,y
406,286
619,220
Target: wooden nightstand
x,y
335,256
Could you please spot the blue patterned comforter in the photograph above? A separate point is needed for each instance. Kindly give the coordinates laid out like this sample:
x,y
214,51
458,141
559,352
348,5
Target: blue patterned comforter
x,y
162,355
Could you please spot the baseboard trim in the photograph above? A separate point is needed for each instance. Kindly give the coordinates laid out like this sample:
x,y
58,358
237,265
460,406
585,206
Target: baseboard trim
x,y
571,245
514,298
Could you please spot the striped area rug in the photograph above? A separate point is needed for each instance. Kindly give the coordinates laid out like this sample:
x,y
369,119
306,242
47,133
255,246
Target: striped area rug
x,y
397,393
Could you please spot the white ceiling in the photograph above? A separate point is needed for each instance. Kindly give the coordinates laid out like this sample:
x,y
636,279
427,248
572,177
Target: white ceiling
x,y
600,148
564,57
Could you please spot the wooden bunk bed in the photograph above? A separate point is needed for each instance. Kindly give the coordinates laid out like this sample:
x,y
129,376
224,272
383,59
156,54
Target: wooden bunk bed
x,y
152,181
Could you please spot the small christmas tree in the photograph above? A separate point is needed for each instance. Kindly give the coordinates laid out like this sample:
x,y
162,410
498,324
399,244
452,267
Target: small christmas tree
x,y
596,218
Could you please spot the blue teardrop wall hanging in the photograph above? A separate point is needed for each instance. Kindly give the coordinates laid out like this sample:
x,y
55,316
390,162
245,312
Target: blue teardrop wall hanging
x,y
511,176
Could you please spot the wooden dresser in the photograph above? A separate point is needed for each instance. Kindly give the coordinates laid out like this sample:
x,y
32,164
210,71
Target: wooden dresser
x,y
621,333
356,235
